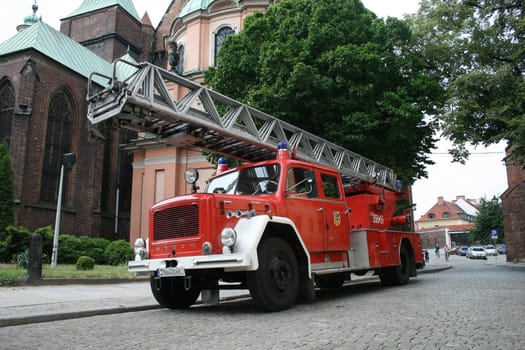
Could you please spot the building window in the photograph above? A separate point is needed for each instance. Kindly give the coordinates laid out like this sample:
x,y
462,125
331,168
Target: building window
x,y
7,109
446,215
58,142
180,64
221,35
431,216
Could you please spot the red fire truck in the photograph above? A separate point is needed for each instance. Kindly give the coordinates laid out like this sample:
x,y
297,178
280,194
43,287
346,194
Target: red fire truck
x,y
300,213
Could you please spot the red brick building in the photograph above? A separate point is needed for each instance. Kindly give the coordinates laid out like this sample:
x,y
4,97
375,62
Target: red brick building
x,y
513,207
447,222
43,86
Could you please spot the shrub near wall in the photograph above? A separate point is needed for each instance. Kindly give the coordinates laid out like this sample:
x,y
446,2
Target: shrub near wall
x,y
119,252
16,241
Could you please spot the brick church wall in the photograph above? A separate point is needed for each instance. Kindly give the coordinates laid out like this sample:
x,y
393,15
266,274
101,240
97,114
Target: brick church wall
x,y
35,79
107,32
513,205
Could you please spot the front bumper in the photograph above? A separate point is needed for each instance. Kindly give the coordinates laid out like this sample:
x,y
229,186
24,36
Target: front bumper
x,y
181,266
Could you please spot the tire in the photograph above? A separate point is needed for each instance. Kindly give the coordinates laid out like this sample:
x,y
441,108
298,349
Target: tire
x,y
397,275
172,293
330,281
274,285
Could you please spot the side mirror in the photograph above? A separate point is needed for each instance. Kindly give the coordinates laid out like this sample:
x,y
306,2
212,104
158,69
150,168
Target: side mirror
x,y
311,188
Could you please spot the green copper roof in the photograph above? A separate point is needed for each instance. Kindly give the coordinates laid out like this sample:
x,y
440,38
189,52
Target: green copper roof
x,y
94,5
125,70
58,47
194,5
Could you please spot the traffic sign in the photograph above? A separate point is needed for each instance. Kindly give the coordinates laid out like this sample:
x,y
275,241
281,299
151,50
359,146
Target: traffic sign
x,y
493,234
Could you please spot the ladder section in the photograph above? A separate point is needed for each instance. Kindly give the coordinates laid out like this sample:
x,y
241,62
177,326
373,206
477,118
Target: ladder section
x,y
205,118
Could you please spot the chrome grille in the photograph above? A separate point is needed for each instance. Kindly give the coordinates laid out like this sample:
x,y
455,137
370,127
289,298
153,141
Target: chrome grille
x,y
176,222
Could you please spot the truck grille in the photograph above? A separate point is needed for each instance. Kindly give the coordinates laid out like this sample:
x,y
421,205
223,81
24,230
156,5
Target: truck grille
x,y
176,222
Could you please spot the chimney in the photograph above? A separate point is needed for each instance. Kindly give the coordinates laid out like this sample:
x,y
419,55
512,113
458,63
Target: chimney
x,y
440,200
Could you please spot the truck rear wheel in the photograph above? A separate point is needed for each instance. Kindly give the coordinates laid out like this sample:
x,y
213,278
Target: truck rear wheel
x,y
397,275
171,293
275,284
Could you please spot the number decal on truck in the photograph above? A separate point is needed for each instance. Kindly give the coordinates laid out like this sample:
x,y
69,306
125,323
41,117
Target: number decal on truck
x,y
377,218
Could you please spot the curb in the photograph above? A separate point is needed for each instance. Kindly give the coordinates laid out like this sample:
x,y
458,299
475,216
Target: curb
x,y
18,321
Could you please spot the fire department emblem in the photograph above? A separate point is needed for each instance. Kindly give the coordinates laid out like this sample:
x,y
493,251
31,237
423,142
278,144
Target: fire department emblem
x,y
337,218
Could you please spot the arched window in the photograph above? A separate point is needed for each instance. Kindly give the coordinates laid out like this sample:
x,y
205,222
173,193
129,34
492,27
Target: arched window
x,y
431,215
446,215
7,109
180,64
58,142
221,35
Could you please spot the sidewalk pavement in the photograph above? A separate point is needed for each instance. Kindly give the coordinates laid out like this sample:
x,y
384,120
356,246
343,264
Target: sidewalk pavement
x,y
51,302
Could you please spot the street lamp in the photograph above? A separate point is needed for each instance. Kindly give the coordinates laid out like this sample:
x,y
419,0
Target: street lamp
x,y
68,160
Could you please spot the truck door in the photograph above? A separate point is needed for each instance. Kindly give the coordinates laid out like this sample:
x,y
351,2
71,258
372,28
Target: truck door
x,y
304,207
336,235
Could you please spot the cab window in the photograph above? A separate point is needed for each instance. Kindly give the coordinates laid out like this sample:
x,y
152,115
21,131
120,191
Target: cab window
x,y
330,186
297,182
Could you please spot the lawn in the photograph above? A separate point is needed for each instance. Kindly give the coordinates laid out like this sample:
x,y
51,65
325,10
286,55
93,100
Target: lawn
x,y
10,274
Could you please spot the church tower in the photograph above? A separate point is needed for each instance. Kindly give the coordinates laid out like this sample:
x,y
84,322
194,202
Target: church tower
x,y
110,28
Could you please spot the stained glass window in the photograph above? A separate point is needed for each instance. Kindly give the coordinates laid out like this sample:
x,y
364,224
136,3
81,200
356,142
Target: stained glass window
x,y
58,142
7,109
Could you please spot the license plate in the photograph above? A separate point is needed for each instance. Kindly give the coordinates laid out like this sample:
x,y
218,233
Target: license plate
x,y
172,271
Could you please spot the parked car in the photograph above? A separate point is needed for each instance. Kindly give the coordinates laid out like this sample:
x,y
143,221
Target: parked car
x,y
463,251
491,250
476,253
502,249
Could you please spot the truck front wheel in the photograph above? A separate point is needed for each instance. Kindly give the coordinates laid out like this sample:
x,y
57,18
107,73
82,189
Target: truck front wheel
x,y
171,293
275,284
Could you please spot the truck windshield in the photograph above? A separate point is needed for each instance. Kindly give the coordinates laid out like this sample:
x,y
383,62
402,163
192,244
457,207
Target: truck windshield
x,y
263,179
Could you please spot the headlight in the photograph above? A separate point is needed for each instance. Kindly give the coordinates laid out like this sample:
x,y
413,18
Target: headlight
x,y
228,237
191,175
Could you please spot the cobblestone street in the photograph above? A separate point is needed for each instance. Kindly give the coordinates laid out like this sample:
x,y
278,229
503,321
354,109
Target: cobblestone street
x,y
471,306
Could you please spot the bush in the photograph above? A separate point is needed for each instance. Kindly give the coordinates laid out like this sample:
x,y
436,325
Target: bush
x,y
85,263
69,249
22,259
95,248
16,241
119,252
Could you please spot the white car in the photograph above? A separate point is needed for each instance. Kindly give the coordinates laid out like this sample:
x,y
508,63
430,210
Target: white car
x,y
491,250
477,253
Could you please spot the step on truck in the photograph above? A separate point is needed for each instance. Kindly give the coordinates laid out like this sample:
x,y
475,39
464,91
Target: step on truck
x,y
299,213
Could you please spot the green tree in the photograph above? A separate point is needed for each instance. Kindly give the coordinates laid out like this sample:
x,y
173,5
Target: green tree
x,y
335,69
7,190
489,218
478,48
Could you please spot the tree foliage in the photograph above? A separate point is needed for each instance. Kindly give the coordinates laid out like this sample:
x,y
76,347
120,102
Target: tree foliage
x,y
489,218
477,47
7,189
333,68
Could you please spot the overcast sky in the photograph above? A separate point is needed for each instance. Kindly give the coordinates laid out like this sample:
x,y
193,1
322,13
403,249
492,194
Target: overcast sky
x,y
482,176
